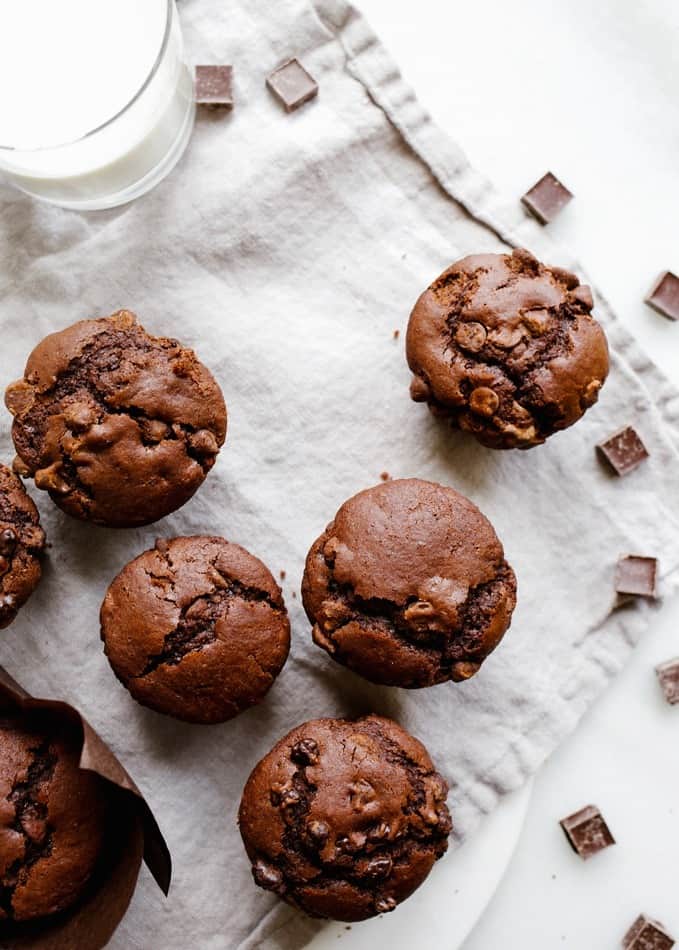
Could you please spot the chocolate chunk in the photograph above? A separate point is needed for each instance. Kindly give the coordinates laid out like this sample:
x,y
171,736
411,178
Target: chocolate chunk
x,y
637,576
547,198
318,831
379,832
290,797
623,451
305,752
384,905
668,676
647,934
379,867
267,876
214,86
292,85
203,443
8,542
664,295
587,832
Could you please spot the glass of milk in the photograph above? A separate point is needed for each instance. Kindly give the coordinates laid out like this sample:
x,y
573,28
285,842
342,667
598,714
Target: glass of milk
x,y
97,101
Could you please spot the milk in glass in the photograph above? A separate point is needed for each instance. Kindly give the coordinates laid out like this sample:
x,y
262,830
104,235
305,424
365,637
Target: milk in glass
x,y
96,100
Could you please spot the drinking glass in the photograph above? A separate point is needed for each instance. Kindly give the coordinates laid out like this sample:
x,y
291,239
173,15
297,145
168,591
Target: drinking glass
x,y
96,99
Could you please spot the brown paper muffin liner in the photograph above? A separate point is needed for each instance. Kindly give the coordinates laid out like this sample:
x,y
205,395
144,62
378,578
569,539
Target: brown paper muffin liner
x,y
91,922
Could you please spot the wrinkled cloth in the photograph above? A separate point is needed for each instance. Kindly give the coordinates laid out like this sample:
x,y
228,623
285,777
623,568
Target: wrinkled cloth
x,y
286,249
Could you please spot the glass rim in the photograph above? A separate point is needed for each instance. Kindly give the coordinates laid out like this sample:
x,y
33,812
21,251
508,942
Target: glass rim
x,y
128,105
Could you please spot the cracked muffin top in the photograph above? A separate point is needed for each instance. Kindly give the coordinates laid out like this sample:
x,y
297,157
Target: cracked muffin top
x,y
345,819
409,585
53,817
120,427
196,628
22,542
506,349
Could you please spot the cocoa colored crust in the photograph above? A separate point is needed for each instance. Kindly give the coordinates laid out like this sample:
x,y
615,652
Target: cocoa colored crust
x,y
506,348
345,819
196,628
409,585
22,542
53,818
120,427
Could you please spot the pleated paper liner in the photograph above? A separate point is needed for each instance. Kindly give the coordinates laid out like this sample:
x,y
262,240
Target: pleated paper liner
x,y
135,836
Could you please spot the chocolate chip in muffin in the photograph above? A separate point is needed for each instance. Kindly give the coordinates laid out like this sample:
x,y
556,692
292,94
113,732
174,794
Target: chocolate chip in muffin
x,y
120,427
409,586
196,628
506,348
345,819
22,542
53,818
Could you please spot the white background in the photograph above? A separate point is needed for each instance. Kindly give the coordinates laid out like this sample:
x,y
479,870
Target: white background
x,y
588,89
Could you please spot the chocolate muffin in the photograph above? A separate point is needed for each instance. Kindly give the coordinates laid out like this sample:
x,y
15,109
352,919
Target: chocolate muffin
x,y
53,818
120,427
345,819
506,349
196,628
409,585
22,541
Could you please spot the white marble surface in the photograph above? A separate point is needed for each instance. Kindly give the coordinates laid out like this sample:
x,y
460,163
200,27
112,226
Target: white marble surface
x,y
589,91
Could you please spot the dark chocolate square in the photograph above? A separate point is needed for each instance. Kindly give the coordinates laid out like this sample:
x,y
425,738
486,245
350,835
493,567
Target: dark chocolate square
x,y
647,934
637,576
214,86
547,198
292,85
623,450
668,677
664,295
587,832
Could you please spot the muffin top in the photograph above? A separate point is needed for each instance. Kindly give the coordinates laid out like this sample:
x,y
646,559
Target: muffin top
x,y
120,427
409,586
22,542
53,817
196,628
344,819
507,349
